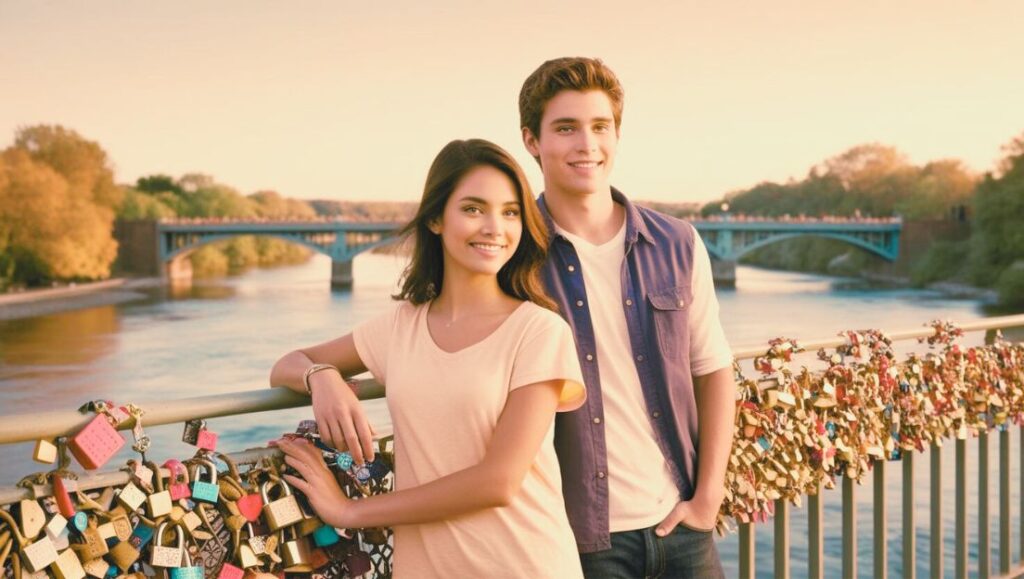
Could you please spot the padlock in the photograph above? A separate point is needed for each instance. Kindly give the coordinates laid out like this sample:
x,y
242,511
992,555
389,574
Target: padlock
x,y
67,566
178,483
163,556
124,555
229,571
131,497
63,498
39,555
45,452
357,563
207,440
187,570
246,557
191,521
250,506
94,545
158,504
325,536
296,548
256,542
95,444
318,558
141,536
122,527
32,518
79,522
282,512
192,429
96,568
206,491
57,531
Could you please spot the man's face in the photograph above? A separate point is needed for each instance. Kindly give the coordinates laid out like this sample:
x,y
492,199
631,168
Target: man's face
x,y
577,142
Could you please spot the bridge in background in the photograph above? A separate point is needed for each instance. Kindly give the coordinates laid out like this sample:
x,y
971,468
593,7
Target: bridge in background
x,y
161,247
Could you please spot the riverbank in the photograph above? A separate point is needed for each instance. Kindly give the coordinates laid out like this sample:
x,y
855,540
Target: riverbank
x,y
39,302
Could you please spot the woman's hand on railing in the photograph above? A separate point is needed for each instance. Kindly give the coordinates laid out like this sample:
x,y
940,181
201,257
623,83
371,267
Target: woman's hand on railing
x,y
340,417
317,483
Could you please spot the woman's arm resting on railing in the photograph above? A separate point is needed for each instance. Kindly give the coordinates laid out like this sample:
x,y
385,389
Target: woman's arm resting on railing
x,y
494,482
339,415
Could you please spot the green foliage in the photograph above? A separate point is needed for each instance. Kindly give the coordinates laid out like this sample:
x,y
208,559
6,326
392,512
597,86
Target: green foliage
x,y
139,205
944,260
209,261
1010,285
997,239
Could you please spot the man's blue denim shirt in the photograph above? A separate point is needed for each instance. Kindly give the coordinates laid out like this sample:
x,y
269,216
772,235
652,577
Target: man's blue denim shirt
x,y
656,290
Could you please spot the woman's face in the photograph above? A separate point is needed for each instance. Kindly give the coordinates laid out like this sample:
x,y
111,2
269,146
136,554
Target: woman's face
x,y
482,222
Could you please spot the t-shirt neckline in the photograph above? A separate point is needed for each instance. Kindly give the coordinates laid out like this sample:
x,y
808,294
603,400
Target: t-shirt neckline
x,y
433,343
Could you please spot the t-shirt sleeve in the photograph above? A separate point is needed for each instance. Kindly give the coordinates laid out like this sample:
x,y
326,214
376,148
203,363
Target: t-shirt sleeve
x,y
372,338
709,350
547,352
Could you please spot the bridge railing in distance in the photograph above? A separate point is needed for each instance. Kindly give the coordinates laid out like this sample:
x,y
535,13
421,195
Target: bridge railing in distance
x,y
29,427
815,512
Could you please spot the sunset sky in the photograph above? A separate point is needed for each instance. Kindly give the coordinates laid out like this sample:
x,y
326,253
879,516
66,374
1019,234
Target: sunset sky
x,y
351,100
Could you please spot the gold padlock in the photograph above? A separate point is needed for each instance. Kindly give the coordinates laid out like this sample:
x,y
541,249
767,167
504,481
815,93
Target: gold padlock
x,y
45,452
163,556
296,550
124,555
122,527
96,568
67,566
131,497
32,517
282,512
159,503
95,546
246,558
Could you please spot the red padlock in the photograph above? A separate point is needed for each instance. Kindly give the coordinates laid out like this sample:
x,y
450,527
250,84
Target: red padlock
x,y
95,444
65,505
207,440
229,571
251,507
178,483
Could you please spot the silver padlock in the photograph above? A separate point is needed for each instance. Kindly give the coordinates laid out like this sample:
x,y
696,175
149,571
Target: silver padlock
x,y
163,556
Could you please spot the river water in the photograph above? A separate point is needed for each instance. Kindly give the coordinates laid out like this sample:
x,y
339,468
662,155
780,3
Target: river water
x,y
223,336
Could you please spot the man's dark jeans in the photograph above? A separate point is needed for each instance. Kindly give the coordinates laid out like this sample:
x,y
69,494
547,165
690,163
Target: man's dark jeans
x,y
684,553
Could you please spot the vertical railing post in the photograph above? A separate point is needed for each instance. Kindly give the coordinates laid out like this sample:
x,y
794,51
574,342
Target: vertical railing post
x,y
909,542
984,549
935,566
849,529
960,571
878,540
781,539
746,550
815,542
1004,502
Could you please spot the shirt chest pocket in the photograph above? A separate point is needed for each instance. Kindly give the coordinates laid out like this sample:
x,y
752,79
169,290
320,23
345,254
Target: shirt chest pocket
x,y
670,310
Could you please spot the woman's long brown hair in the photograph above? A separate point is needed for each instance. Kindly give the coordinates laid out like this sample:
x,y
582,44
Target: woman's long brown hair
x,y
520,276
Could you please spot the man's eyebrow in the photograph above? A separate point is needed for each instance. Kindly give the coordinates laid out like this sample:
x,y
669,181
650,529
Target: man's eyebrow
x,y
571,120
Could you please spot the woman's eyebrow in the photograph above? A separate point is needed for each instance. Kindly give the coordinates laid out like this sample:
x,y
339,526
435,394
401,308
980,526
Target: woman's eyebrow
x,y
471,199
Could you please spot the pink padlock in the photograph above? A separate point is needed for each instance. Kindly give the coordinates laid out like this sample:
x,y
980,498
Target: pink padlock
x,y
207,440
251,507
178,482
95,444
229,571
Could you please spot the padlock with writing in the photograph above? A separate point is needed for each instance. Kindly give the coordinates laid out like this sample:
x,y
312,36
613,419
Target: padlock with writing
x,y
187,570
158,503
283,511
207,440
206,491
124,554
177,485
95,444
96,568
131,497
67,566
164,556
229,571
32,518
93,545
191,433
296,549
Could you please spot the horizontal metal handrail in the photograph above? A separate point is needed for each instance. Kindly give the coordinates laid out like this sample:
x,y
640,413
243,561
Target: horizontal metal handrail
x,y
994,323
30,427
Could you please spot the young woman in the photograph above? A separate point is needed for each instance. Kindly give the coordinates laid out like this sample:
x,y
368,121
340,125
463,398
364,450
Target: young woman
x,y
475,366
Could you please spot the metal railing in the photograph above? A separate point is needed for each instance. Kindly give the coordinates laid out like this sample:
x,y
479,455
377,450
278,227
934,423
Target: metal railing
x,y
30,427
815,511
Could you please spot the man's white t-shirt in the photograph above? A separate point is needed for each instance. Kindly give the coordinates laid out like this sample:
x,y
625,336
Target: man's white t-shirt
x,y
641,491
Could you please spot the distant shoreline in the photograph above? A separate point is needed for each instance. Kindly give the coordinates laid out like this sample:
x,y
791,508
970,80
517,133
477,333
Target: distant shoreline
x,y
41,302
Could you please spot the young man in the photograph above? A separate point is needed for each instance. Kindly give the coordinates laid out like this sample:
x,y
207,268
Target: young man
x,y
643,461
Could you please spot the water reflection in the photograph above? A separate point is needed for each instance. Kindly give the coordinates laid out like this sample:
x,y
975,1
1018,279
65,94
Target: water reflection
x,y
78,337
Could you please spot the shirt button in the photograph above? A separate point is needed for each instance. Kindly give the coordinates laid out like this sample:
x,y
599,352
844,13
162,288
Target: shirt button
x,y
681,303
629,302
571,268
590,357
579,303
656,414
597,420
600,474
640,358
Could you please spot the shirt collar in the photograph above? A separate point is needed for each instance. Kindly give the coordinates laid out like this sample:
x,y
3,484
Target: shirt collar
x,y
635,224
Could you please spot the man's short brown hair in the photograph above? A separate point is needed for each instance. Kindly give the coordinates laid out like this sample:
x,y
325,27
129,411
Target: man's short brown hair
x,y
570,73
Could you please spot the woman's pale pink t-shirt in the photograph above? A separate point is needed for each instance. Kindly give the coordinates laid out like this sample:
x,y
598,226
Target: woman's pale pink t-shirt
x,y
444,407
